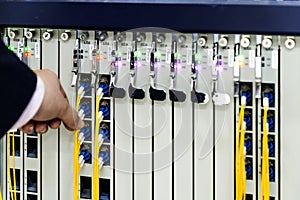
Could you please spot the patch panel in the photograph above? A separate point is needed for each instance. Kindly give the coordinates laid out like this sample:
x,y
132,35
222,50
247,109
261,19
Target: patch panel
x,y
131,124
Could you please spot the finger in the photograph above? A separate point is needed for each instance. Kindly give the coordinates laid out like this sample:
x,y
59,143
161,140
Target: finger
x,y
28,128
71,119
55,123
63,91
41,127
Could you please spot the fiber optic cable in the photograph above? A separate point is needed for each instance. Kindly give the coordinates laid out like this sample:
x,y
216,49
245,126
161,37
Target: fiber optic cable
x,y
76,166
265,182
14,165
239,153
8,166
97,143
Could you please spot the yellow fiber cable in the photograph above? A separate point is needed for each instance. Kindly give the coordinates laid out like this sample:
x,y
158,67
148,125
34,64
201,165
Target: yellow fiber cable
x,y
96,152
14,165
8,165
76,153
1,194
240,158
265,184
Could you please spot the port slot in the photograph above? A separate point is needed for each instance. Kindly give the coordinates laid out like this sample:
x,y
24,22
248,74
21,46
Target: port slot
x,y
272,171
270,120
249,168
32,178
246,89
269,90
85,187
248,119
85,82
272,198
105,131
104,81
249,197
85,105
104,188
105,109
87,131
32,147
248,143
85,151
17,146
105,154
271,145
31,197
18,196
18,183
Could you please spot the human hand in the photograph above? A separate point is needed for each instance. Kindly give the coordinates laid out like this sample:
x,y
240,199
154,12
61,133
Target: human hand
x,y
54,109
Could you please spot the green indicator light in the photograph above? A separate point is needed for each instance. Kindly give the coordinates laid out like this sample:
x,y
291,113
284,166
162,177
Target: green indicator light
x,y
97,52
137,54
157,54
11,48
177,56
240,57
27,49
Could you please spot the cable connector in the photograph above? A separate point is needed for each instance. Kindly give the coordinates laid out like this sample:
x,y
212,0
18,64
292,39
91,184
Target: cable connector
x,y
100,140
81,161
101,162
81,114
81,92
100,92
266,101
81,137
243,99
100,116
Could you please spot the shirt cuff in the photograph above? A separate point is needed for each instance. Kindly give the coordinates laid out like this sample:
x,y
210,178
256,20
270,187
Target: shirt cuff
x,y
33,105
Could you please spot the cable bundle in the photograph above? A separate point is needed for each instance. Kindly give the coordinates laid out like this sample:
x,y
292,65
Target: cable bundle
x,y
13,190
240,154
265,180
77,143
97,143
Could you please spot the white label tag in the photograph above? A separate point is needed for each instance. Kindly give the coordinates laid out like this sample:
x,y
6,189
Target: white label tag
x,y
148,54
210,57
251,59
168,55
37,50
258,67
236,69
91,48
129,49
275,59
230,58
189,56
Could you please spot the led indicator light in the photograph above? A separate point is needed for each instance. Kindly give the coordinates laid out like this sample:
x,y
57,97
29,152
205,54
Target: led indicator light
x,y
11,48
157,54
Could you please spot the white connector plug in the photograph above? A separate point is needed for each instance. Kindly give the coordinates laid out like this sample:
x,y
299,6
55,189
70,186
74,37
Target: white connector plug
x,y
100,140
81,161
100,116
81,137
266,102
100,92
243,100
101,163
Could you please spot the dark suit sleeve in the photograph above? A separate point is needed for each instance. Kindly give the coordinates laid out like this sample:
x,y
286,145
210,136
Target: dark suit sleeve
x,y
17,85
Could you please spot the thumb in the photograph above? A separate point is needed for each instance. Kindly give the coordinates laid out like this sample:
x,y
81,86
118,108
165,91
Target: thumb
x,y
71,120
